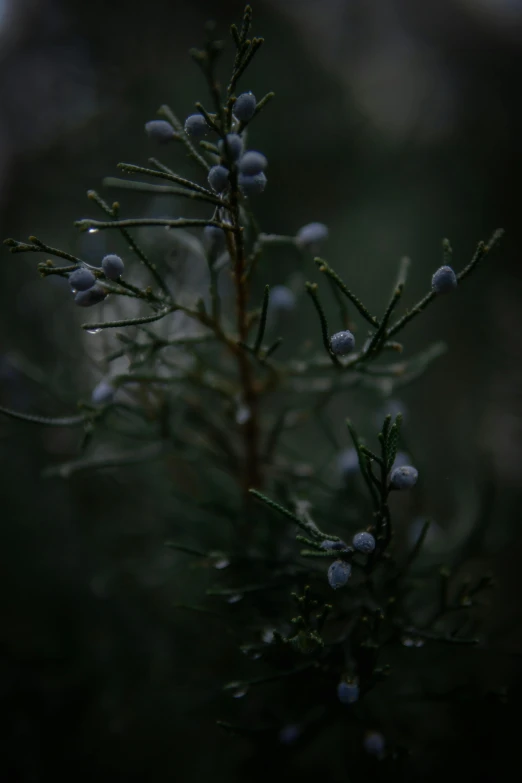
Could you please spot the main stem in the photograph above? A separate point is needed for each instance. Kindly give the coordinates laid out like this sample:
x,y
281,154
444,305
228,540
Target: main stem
x,y
251,475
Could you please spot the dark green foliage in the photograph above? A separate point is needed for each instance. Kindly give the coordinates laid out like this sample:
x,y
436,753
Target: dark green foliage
x,y
209,392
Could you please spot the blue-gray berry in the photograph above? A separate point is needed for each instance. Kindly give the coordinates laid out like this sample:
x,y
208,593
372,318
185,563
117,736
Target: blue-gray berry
x,y
282,299
347,692
214,238
333,545
196,126
92,296
444,280
234,146
342,343
251,185
347,463
339,573
311,235
81,279
374,743
160,131
245,106
218,178
103,392
252,163
112,266
404,477
364,542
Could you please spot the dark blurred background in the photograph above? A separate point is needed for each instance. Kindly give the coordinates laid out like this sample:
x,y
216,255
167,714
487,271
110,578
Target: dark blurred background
x,y
396,123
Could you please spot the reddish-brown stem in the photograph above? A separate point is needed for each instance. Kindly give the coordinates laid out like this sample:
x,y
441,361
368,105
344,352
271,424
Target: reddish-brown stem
x,y
251,474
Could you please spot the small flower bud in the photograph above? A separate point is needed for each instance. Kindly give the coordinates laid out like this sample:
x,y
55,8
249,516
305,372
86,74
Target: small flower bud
x,y
91,297
103,392
160,131
364,542
282,299
404,477
311,235
196,126
347,692
374,743
333,545
347,463
444,280
81,279
342,343
252,185
234,146
245,106
112,266
218,178
339,573
252,163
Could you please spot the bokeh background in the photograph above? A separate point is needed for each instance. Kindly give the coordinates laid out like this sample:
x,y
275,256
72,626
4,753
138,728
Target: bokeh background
x,y
396,123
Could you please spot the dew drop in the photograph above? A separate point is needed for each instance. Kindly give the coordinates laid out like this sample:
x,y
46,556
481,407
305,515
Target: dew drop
x,y
93,230
234,599
93,331
221,563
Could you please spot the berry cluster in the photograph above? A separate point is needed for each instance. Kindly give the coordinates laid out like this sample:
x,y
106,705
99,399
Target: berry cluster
x,y
248,166
84,285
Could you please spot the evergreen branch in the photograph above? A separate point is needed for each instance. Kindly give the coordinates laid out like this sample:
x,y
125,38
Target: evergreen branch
x,y
343,310
113,212
39,247
363,465
306,526
87,223
246,24
128,322
262,320
327,270
67,421
381,334
447,252
262,103
247,59
148,187
418,308
480,252
130,168
275,345
312,290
